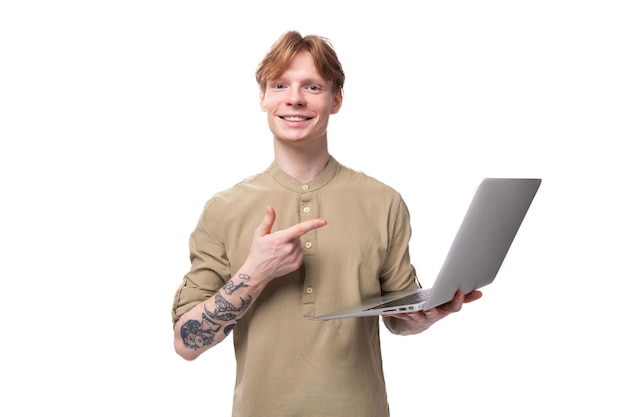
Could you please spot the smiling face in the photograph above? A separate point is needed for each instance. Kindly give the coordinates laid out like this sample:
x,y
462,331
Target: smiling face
x,y
299,102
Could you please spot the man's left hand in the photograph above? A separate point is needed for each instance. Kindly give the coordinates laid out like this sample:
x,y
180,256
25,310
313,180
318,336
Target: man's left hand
x,y
413,323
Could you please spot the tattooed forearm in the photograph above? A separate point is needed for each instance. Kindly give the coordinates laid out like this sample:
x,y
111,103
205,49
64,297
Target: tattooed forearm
x,y
196,335
230,287
225,310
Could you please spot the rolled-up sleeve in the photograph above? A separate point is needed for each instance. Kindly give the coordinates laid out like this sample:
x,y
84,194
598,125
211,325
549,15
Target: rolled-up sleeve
x,y
210,267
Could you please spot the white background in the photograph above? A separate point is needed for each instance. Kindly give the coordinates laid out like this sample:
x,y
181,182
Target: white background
x,y
119,119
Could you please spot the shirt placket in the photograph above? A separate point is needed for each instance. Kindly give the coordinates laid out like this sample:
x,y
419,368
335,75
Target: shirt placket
x,y
308,210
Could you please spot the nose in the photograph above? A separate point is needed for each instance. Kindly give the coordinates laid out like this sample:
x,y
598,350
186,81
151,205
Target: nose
x,y
295,97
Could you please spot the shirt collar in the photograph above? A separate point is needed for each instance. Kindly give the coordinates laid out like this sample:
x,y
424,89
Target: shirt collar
x,y
287,181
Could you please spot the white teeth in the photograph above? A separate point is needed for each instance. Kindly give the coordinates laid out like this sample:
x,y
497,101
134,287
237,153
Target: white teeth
x,y
294,118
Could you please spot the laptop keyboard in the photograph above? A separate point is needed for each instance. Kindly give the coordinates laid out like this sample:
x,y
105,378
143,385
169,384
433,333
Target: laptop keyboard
x,y
414,298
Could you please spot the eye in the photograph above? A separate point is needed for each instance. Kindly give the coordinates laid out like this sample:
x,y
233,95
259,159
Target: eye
x,y
278,86
314,88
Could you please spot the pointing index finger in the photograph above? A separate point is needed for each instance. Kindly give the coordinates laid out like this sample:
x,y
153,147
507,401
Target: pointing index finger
x,y
306,226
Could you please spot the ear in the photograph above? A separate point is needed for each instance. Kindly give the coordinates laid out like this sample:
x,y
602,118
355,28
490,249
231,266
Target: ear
x,y
262,100
337,100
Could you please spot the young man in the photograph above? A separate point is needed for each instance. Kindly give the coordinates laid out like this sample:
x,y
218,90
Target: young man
x,y
329,237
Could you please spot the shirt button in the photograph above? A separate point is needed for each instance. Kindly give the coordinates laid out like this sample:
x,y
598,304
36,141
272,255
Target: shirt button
x,y
309,290
308,245
306,209
305,187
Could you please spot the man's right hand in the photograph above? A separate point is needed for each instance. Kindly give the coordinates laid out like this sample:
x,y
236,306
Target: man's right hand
x,y
275,254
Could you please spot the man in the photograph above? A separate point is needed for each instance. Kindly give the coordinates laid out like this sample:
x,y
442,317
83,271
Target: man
x,y
329,237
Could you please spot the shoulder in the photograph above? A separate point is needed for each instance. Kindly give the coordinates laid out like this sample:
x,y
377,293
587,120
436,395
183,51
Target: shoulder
x,y
233,202
353,178
242,189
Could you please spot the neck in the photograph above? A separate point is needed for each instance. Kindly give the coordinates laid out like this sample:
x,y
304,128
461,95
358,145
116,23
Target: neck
x,y
301,163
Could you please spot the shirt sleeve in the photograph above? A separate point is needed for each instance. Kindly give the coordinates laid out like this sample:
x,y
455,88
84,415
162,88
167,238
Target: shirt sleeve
x,y
210,267
398,273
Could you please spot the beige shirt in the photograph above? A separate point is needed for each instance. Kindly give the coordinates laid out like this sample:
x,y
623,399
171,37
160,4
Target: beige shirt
x,y
288,365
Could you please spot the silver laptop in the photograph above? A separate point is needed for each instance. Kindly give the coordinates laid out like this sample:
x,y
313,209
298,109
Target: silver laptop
x,y
475,257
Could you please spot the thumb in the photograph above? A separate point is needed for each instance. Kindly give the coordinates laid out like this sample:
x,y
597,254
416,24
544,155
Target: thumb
x,y
265,228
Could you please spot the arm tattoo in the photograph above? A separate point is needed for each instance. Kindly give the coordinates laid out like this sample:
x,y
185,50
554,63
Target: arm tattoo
x,y
197,334
229,328
230,287
225,311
